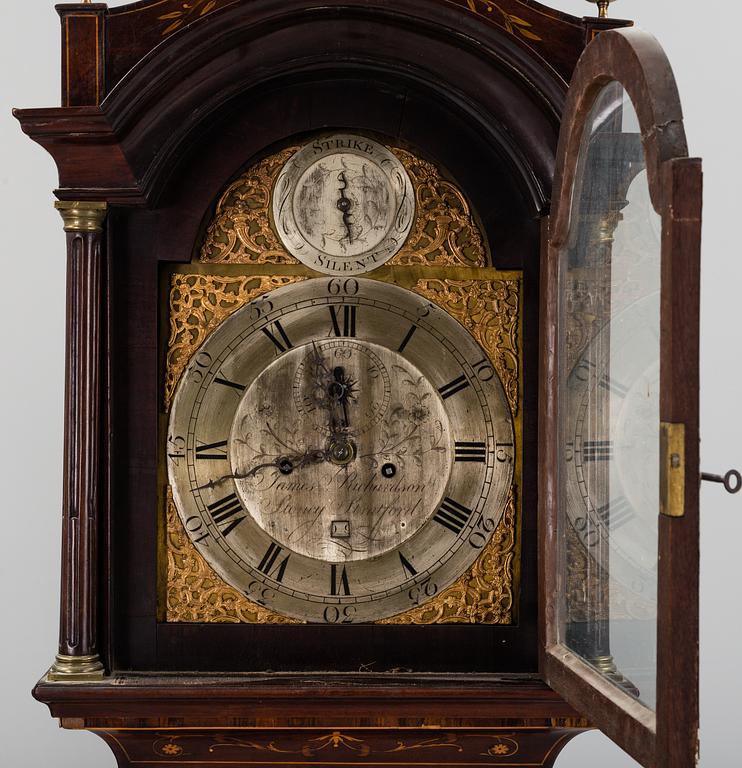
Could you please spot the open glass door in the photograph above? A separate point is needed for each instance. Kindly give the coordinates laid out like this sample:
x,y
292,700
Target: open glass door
x,y
619,406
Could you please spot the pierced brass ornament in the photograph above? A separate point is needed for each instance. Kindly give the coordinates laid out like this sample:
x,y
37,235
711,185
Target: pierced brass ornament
x,y
196,593
482,595
444,232
489,310
198,305
241,230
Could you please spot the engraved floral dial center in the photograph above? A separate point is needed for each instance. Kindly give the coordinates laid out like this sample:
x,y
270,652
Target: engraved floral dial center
x,y
351,408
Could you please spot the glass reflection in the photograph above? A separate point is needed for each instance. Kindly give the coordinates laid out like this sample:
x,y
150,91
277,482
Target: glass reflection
x,y
609,412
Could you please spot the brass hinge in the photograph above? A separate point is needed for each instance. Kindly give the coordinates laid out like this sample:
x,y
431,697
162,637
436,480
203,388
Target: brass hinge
x,y
672,469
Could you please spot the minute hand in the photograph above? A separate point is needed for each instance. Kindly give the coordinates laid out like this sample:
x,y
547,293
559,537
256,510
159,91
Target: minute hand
x,y
339,391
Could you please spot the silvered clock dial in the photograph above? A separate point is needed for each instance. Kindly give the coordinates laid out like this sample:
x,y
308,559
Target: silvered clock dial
x,y
343,204
339,450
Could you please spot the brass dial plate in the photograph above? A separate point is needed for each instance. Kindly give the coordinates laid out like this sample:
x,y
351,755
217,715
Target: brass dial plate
x,y
459,409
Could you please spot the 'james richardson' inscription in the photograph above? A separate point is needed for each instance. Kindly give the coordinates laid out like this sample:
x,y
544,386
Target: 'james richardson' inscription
x,y
392,505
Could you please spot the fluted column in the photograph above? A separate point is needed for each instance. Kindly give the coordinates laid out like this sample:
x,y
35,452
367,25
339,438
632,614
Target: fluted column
x,y
78,658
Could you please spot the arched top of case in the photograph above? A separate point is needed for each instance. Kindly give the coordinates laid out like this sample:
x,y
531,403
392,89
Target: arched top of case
x,y
636,60
143,83
548,35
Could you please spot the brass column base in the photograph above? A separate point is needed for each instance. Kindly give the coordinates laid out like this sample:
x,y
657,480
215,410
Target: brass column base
x,y
607,667
76,669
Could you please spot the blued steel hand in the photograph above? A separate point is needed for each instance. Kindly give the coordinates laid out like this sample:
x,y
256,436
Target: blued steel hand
x,y
341,448
344,204
284,464
339,393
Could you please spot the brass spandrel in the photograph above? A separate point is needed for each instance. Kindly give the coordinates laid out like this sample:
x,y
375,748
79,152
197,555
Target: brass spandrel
x,y
444,232
241,231
198,305
489,310
195,593
482,595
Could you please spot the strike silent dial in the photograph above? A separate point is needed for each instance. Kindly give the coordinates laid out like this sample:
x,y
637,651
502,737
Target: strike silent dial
x,y
343,204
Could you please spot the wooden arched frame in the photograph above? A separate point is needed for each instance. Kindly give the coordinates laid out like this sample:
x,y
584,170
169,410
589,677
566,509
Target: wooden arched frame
x,y
667,737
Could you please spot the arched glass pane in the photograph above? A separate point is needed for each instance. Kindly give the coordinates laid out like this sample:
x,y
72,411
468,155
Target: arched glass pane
x,y
609,409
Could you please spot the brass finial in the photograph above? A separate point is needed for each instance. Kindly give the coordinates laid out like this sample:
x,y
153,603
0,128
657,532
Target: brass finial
x,y
602,7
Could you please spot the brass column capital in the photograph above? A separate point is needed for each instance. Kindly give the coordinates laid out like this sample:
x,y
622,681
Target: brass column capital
x,y
82,216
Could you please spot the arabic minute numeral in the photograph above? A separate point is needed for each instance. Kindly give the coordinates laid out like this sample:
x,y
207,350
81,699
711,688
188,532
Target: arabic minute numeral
x,y
260,307
195,526
336,614
587,531
484,369
259,593
583,369
201,362
423,591
176,446
504,452
349,287
479,536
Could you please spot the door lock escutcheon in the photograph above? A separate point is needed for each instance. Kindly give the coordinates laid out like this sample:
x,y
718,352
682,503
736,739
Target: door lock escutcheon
x,y
672,469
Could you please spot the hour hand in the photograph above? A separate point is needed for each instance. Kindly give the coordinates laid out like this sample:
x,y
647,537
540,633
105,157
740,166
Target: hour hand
x,y
284,464
340,391
341,448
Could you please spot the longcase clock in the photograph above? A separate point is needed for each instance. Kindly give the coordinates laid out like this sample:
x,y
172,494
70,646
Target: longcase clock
x,y
382,379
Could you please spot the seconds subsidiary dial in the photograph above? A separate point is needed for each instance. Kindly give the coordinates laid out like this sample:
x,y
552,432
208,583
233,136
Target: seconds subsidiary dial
x,y
335,450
